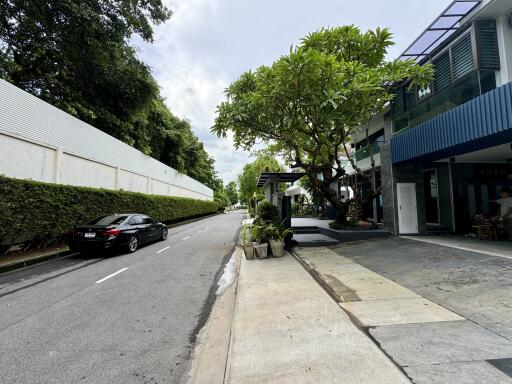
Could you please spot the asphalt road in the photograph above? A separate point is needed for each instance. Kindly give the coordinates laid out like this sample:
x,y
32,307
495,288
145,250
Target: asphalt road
x,y
63,322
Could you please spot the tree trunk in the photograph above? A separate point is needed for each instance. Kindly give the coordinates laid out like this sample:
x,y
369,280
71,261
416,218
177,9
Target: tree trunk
x,y
330,194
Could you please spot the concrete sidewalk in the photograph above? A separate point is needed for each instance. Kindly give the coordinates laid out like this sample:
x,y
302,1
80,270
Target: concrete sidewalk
x,y
286,329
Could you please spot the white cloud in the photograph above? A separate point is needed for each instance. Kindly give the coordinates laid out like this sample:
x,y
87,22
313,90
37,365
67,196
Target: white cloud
x,y
208,43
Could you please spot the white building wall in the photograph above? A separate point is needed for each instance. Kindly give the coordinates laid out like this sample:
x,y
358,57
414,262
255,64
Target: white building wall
x,y
43,143
504,30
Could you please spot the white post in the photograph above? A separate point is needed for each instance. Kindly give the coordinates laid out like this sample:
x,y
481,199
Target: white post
x,y
57,166
118,176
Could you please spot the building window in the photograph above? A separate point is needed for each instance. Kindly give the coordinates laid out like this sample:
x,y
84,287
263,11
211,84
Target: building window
x,y
431,196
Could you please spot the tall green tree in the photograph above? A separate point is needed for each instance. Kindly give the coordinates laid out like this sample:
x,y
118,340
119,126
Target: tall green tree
x,y
309,102
232,192
77,56
248,179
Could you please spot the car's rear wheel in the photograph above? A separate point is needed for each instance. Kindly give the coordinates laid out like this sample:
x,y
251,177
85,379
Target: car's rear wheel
x,y
132,243
165,233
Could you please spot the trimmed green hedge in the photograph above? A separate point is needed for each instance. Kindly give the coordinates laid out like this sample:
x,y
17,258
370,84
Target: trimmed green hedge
x,y
38,212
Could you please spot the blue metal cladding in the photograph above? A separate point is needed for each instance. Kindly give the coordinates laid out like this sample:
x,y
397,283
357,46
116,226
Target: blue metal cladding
x,y
483,122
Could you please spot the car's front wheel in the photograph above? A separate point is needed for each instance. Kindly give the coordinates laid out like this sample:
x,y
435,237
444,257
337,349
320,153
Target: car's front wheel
x,y
165,233
132,244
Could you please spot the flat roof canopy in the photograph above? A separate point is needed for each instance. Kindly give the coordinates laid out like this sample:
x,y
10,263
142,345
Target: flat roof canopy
x,y
278,177
442,28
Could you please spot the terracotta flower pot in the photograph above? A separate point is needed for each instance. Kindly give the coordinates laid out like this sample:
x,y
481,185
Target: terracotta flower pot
x,y
277,247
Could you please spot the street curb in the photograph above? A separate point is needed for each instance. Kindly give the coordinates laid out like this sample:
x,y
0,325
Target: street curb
x,y
174,225
211,355
36,260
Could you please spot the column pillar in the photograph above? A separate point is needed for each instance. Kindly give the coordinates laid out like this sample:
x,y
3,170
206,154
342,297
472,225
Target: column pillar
x,y
57,166
117,180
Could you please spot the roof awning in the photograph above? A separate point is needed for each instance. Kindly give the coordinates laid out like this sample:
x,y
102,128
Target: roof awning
x,y
442,28
279,177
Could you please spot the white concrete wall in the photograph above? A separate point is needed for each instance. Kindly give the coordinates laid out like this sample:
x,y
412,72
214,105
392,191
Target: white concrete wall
x,y
42,143
25,160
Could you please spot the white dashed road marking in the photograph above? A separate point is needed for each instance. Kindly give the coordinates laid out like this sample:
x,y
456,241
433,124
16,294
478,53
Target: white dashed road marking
x,y
112,275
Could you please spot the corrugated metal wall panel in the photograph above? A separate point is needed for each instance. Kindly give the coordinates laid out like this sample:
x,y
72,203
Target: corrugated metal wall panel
x,y
485,116
27,116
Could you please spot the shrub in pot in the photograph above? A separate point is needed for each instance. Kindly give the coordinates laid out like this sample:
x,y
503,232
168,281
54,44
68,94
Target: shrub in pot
x,y
277,234
260,241
246,243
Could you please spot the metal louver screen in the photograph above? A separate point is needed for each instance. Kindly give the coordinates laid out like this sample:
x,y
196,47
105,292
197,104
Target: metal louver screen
x,y
442,76
488,57
462,57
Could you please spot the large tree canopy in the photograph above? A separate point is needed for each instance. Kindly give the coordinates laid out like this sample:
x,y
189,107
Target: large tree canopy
x,y
77,56
308,103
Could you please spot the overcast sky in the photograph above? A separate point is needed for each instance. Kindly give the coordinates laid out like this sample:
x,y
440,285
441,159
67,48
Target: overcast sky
x,y
207,44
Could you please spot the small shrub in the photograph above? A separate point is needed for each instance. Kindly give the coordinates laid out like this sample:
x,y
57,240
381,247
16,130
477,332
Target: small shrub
x,y
277,232
268,212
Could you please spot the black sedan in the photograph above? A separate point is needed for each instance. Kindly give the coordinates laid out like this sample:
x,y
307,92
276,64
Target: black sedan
x,y
122,231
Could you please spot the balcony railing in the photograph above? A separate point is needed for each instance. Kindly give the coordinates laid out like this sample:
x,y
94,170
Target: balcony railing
x,y
365,152
471,86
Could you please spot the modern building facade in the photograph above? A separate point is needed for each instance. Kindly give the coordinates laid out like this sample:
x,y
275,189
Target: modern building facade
x,y
445,152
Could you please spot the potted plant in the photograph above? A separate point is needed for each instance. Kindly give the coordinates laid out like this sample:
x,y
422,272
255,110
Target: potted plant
x,y
259,238
277,235
247,244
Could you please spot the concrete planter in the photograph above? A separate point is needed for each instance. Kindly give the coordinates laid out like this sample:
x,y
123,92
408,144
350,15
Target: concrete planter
x,y
277,247
261,250
249,251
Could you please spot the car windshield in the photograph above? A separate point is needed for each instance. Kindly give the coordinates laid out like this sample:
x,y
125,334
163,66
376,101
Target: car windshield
x,y
108,220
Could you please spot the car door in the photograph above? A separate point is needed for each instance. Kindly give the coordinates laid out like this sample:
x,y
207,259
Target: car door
x,y
153,230
141,228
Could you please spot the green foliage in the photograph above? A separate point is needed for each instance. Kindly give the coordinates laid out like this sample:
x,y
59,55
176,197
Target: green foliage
x,y
33,211
248,179
221,198
307,104
268,211
258,233
277,231
296,209
77,56
246,235
232,192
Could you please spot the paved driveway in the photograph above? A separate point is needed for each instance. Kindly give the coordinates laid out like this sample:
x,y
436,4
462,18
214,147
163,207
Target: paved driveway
x,y
477,286
473,350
